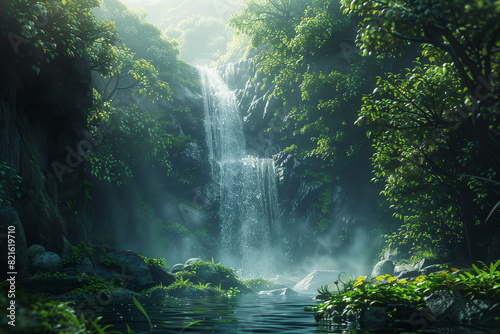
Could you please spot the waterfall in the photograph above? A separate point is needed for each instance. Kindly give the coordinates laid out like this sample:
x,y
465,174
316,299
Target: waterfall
x,y
248,212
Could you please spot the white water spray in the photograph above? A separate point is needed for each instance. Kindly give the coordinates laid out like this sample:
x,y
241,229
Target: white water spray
x,y
249,235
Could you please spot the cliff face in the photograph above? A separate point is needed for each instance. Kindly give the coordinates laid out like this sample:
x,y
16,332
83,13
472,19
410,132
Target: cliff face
x,y
41,120
264,118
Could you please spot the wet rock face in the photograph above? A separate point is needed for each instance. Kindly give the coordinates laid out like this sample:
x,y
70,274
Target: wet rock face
x,y
383,267
255,104
9,222
45,262
139,272
42,116
312,282
452,309
263,119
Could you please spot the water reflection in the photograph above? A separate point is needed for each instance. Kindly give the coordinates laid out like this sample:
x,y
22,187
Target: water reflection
x,y
241,314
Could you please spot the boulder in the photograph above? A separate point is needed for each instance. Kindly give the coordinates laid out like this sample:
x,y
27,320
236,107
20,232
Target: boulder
x,y
278,292
373,317
139,275
285,281
392,254
35,249
206,273
447,308
408,274
432,269
383,267
107,273
404,268
162,275
177,267
84,267
312,282
45,262
425,262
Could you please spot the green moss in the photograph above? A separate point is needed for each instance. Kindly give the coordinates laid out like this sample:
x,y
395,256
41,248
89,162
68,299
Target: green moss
x,y
155,262
56,275
259,284
36,314
97,286
475,283
77,253
111,262
225,271
185,275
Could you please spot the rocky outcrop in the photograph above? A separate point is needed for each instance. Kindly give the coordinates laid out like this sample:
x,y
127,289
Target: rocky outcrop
x,y
42,117
383,267
255,104
315,280
139,272
449,308
45,262
258,109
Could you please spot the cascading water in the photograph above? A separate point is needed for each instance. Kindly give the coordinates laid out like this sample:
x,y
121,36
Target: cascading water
x,y
249,235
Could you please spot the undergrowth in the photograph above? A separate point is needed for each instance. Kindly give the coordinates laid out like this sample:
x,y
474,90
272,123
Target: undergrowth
x,y
476,283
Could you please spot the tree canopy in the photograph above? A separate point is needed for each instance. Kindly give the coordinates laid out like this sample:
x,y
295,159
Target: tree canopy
x,y
466,33
434,125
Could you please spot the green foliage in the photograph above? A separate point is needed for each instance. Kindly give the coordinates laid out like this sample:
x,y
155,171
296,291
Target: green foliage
x,y
138,139
135,132
237,49
36,313
258,284
144,39
232,291
143,311
155,262
185,275
224,271
79,204
56,275
40,34
459,32
10,185
299,46
385,290
422,149
97,286
201,39
111,262
77,253
181,284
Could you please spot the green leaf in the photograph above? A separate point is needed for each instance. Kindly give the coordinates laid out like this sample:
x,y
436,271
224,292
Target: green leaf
x,y
141,308
191,324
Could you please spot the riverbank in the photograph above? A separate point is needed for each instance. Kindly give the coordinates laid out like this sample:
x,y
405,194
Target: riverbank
x,y
444,298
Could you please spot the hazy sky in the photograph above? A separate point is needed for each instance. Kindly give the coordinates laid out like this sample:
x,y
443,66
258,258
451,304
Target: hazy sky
x,y
170,12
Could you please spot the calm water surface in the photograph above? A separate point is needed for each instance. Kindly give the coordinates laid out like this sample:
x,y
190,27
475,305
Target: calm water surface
x,y
250,313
